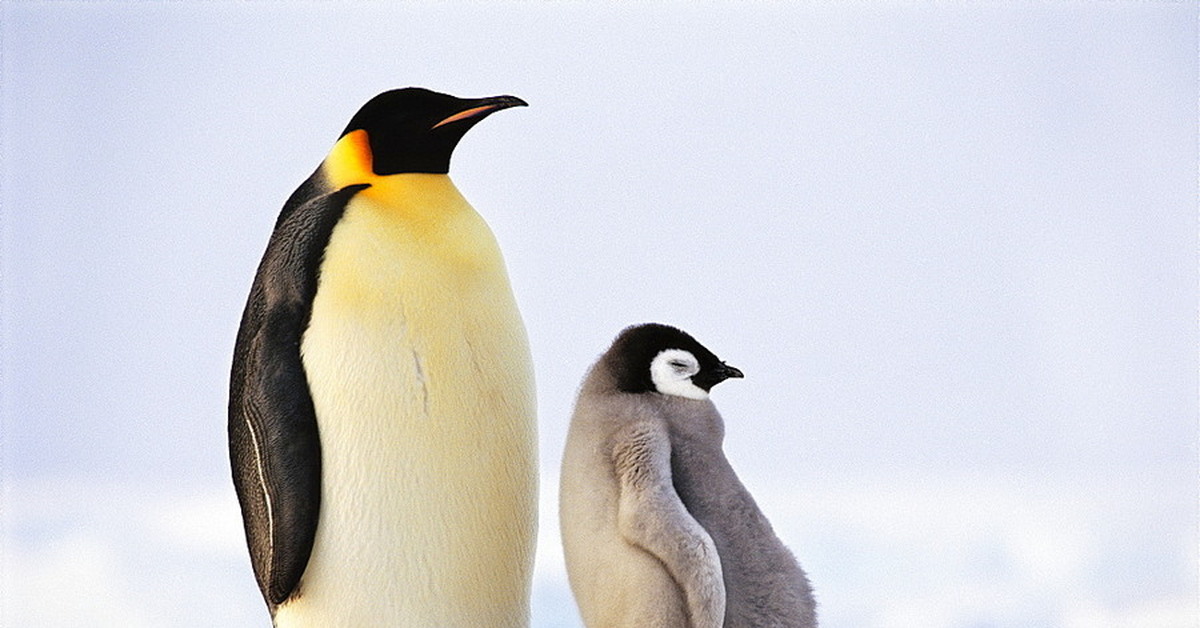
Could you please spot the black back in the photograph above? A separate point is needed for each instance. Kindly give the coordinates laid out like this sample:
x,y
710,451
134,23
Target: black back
x,y
275,448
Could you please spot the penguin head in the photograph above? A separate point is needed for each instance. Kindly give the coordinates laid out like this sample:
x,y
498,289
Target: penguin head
x,y
654,358
415,129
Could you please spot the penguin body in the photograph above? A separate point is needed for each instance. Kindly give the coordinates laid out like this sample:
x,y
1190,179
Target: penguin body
x,y
382,408
657,529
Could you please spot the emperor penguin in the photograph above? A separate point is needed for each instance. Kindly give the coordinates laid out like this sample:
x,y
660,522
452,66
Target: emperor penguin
x,y
381,412
657,529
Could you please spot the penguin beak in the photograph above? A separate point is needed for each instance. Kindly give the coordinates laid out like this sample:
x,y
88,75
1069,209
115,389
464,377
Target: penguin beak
x,y
707,379
479,108
727,372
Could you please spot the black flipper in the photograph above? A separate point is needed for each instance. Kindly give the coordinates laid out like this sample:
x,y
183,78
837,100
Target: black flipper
x,y
274,445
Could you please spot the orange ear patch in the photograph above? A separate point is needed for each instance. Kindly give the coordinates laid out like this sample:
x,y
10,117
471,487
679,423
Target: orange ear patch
x,y
350,160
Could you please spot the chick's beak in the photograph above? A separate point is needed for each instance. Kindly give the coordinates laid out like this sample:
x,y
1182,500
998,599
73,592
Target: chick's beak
x,y
728,372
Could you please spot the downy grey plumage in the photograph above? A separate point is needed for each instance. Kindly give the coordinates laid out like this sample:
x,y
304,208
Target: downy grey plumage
x,y
657,528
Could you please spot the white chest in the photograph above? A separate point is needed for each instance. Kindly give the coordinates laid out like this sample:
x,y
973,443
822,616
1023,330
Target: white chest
x,y
419,372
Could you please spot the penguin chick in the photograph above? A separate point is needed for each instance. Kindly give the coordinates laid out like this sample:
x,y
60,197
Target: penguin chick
x,y
657,529
381,410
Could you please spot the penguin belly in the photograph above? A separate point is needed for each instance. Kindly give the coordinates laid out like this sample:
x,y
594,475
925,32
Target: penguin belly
x,y
420,377
615,584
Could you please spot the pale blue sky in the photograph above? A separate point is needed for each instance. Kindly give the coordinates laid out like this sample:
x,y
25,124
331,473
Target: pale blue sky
x,y
953,247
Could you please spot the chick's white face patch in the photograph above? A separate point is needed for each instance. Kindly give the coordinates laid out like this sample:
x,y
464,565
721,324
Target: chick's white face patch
x,y
672,371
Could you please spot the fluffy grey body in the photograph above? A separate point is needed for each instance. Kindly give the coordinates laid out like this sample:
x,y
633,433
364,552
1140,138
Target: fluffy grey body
x,y
657,528
634,555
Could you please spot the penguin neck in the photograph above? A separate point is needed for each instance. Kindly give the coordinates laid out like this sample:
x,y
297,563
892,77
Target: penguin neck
x,y
695,421
413,194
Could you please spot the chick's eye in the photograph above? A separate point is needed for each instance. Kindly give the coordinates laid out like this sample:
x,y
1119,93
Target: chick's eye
x,y
678,365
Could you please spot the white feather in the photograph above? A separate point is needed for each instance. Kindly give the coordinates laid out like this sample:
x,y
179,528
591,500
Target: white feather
x,y
672,371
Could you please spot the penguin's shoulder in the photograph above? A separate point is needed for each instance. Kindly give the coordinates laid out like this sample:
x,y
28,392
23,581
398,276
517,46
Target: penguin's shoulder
x,y
601,402
629,428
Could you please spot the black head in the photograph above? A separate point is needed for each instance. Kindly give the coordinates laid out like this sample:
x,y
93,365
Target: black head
x,y
660,358
416,130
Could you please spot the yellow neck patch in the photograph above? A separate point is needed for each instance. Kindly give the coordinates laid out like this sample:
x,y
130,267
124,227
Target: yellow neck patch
x,y
419,198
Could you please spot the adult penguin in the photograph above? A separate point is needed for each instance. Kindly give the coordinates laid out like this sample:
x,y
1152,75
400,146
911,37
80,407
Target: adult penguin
x,y
381,413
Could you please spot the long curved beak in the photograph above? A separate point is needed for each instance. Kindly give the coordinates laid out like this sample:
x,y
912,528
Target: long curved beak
x,y
479,108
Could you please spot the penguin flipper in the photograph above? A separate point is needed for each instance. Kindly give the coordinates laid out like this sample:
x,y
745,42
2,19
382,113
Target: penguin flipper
x,y
274,444
651,516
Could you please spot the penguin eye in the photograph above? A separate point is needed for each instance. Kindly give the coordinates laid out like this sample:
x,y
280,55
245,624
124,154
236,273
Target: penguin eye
x,y
679,365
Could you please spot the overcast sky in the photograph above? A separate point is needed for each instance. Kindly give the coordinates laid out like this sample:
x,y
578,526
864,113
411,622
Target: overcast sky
x,y
952,246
